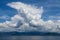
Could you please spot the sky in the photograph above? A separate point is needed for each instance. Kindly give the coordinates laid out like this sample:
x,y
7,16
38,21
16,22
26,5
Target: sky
x,y
30,15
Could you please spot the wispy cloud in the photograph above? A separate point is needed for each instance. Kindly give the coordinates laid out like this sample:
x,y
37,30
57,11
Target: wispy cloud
x,y
5,17
54,17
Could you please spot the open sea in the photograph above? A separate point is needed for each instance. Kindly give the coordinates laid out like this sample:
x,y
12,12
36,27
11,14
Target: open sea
x,y
29,37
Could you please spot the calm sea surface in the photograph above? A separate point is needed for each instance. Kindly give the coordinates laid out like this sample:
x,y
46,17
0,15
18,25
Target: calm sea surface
x,y
29,37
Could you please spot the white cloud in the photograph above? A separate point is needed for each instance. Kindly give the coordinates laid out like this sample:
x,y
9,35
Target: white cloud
x,y
29,10
26,28
29,19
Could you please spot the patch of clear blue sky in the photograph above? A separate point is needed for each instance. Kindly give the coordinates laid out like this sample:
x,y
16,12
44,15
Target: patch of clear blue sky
x,y
51,7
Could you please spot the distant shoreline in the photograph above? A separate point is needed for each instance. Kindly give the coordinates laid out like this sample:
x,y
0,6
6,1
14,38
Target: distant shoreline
x,y
28,34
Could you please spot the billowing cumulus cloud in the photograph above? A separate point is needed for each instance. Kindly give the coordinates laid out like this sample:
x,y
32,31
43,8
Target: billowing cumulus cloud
x,y
28,19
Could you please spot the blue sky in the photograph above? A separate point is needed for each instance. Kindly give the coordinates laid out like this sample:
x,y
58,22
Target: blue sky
x,y
49,10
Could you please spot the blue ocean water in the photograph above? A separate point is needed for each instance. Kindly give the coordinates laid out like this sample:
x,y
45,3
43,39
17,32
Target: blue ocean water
x,y
30,38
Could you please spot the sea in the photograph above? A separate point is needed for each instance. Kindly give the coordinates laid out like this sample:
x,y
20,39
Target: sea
x,y
29,37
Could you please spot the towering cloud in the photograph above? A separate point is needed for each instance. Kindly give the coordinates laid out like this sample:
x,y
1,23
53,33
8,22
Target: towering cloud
x,y
28,19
